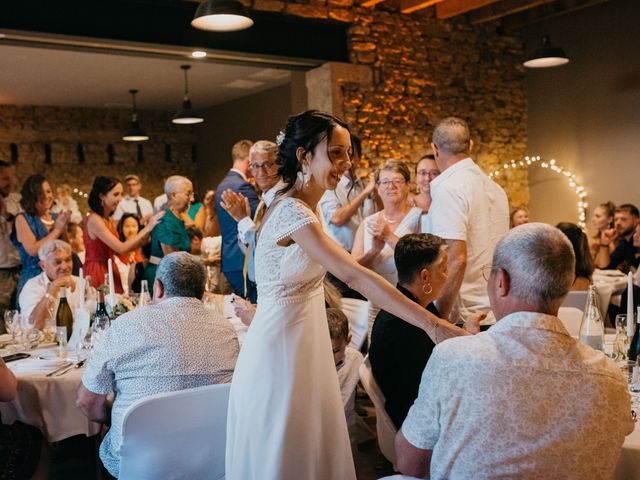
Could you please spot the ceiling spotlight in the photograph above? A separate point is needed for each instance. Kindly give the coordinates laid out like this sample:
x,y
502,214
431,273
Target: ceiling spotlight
x,y
546,55
198,54
221,16
186,115
135,133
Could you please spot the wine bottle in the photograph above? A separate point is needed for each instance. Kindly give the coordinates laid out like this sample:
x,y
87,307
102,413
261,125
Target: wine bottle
x,y
64,317
634,346
592,327
102,320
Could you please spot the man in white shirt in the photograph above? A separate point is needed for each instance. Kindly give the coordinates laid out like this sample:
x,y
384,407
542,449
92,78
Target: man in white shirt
x,y
133,202
40,296
524,399
9,256
263,167
471,212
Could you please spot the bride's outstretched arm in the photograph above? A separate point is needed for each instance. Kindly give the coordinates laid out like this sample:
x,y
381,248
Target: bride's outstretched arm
x,y
340,263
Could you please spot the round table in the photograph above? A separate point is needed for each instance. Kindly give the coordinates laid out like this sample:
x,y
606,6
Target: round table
x,y
48,403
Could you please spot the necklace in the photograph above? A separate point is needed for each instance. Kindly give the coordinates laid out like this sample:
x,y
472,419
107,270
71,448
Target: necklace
x,y
391,222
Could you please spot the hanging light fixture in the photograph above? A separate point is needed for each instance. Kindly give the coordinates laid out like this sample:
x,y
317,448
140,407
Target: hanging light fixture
x,y
546,55
186,115
135,133
221,16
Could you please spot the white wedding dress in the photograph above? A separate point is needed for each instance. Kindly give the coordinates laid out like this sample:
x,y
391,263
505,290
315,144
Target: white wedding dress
x,y
286,419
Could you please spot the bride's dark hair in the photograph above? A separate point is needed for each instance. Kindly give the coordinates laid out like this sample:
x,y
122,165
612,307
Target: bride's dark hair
x,y
306,130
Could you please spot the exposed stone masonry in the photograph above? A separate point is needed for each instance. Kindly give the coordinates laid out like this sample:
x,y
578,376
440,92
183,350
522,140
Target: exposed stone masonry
x,y
63,128
423,70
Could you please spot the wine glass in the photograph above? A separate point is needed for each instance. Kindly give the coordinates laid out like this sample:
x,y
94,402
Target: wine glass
x,y
83,347
10,317
622,341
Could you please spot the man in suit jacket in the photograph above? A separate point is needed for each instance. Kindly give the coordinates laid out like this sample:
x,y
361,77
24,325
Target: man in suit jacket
x,y
236,181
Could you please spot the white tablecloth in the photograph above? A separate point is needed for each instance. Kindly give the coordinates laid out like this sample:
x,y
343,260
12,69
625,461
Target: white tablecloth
x,y
48,403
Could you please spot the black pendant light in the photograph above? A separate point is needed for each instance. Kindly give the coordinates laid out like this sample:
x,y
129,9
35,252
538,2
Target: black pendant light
x,y
135,133
221,16
546,55
186,115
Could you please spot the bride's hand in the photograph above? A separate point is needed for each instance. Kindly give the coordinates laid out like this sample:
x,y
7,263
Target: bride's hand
x,y
443,330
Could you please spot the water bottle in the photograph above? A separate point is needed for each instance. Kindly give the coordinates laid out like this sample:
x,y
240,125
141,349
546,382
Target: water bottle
x,y
145,298
592,327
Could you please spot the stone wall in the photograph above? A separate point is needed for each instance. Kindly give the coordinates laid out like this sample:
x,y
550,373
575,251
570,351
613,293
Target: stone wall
x,y
424,69
63,131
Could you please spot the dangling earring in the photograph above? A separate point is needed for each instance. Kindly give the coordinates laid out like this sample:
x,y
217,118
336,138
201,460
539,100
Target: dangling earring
x,y
306,175
430,289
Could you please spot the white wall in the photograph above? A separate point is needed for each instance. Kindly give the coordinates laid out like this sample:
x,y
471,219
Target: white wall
x,y
586,114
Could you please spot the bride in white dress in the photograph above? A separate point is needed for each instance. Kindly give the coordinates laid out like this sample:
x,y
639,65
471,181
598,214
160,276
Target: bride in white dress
x,y
286,419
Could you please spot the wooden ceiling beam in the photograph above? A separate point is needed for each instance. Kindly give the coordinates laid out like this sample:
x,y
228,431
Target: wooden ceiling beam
x,y
371,3
544,12
502,9
410,6
452,8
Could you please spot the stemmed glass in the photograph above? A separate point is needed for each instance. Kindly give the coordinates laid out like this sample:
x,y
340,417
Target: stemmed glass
x,y
10,322
621,342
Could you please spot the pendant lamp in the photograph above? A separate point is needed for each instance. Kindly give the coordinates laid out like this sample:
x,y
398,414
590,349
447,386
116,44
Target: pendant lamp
x,y
135,133
221,16
186,115
546,55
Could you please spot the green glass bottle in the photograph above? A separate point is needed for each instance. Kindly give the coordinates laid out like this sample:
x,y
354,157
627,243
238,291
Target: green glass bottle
x,y
64,317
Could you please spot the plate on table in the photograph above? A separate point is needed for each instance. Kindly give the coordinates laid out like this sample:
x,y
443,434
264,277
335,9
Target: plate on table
x,y
35,365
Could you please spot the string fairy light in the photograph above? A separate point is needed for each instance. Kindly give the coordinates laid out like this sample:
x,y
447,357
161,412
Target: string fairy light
x,y
80,193
552,165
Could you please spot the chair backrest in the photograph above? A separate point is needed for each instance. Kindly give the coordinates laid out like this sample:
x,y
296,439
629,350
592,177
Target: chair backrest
x,y
357,311
176,435
385,428
571,318
576,299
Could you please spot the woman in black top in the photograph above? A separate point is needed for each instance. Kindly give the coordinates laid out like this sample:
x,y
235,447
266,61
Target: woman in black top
x,y
399,351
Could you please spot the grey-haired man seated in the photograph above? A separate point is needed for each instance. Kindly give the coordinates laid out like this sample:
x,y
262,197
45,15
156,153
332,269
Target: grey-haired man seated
x,y
524,399
174,344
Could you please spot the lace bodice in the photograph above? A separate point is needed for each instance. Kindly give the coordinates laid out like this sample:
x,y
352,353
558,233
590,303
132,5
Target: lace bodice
x,y
286,274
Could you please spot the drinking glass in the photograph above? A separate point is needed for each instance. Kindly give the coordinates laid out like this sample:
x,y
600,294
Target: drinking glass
x,y
11,322
83,348
61,339
622,341
30,338
100,325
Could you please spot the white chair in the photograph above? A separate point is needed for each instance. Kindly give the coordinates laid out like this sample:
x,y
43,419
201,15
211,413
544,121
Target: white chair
x,y
357,311
576,299
385,428
571,318
176,435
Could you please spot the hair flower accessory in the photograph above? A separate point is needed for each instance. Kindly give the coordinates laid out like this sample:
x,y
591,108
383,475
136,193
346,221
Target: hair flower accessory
x,y
280,138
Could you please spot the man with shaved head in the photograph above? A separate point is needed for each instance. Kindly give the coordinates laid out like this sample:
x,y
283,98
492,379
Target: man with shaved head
x,y
471,212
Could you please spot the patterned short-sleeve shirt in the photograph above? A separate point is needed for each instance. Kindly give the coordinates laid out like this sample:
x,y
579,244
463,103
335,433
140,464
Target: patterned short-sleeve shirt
x,y
174,345
523,400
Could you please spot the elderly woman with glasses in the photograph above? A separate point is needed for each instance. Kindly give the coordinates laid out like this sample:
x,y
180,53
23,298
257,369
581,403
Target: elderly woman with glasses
x,y
378,234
